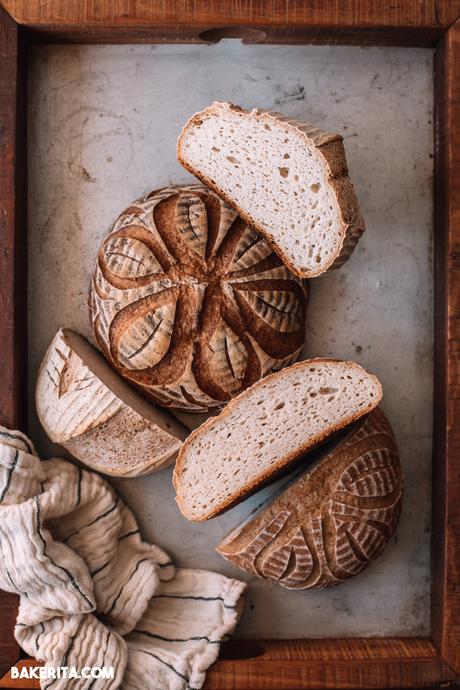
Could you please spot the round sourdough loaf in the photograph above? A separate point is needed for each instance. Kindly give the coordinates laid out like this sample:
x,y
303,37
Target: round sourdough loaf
x,y
332,520
189,303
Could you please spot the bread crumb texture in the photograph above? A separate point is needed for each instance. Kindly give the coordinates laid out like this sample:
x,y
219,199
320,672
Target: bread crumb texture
x,y
266,428
288,178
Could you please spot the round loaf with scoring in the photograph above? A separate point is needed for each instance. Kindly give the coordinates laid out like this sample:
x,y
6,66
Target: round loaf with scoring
x,y
189,303
333,519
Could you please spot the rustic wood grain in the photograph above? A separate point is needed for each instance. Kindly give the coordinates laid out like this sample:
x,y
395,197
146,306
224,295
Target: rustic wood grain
x,y
13,270
13,267
391,22
446,468
7,682
308,664
288,665
345,663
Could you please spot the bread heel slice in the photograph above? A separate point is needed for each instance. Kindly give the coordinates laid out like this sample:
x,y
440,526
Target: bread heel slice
x,y
287,178
266,429
86,407
332,520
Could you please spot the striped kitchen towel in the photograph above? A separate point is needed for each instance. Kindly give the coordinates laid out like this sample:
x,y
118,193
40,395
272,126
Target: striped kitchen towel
x,y
92,593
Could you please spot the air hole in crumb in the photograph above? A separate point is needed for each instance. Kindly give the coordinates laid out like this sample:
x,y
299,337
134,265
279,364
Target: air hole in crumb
x,y
214,148
232,159
315,187
286,156
268,127
279,405
284,172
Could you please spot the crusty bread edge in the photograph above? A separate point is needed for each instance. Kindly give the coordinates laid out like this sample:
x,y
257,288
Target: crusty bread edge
x,y
147,467
171,407
226,547
332,149
285,461
73,442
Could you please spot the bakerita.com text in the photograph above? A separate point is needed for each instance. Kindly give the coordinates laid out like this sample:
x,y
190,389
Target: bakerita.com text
x,y
58,672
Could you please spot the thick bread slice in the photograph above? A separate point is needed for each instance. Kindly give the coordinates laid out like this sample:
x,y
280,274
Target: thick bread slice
x,y
333,518
87,408
265,429
287,178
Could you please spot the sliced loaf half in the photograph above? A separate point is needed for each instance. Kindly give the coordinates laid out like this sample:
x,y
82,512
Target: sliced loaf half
x,y
332,519
287,178
265,429
87,408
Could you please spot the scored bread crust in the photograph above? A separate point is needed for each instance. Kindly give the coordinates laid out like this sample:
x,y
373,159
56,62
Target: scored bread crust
x,y
330,146
329,522
284,462
224,310
84,406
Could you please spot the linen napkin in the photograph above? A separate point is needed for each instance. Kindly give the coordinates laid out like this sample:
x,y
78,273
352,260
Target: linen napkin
x,y
92,593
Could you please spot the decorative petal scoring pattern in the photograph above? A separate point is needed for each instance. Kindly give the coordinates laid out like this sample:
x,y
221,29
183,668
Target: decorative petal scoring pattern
x,y
324,544
191,304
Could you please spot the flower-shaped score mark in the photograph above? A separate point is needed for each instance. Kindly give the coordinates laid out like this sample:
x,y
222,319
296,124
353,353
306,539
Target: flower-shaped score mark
x,y
347,506
189,303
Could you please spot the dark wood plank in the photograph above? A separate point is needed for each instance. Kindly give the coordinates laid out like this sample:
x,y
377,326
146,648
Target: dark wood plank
x,y
345,663
308,664
13,270
365,22
13,257
446,471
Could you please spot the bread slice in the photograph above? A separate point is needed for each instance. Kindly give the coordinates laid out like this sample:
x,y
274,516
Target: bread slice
x,y
286,178
265,429
87,408
332,519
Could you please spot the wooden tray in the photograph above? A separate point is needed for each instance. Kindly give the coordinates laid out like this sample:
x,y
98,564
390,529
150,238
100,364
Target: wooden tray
x,y
276,665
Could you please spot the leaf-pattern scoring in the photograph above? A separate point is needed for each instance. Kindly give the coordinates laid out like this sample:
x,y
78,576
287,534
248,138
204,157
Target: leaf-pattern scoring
x,y
189,303
327,525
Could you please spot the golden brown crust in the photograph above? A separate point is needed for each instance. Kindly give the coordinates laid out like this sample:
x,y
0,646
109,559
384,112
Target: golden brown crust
x,y
282,465
331,521
190,304
84,406
331,147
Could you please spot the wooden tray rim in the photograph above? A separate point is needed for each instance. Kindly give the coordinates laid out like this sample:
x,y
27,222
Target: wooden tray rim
x,y
283,664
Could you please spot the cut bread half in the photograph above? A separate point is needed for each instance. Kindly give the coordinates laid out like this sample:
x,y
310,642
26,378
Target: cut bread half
x,y
87,408
267,428
287,178
332,518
